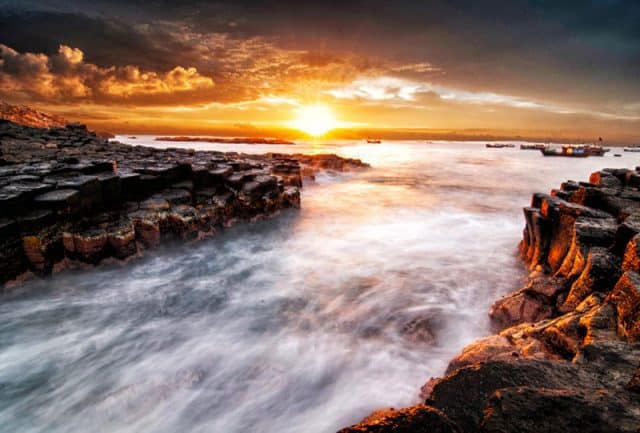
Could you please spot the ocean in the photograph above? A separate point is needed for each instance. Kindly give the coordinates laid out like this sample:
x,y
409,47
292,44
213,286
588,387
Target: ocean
x,y
305,322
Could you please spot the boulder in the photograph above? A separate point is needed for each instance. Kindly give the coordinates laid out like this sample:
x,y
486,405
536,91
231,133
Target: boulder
x,y
530,409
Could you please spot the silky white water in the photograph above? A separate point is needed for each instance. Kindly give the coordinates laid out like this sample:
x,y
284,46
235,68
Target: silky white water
x,y
303,323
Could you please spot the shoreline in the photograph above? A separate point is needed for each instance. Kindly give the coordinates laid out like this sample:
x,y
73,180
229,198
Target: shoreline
x,y
69,198
567,344
565,357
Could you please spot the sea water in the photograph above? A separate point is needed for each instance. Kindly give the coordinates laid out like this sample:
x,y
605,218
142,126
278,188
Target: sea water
x,y
302,323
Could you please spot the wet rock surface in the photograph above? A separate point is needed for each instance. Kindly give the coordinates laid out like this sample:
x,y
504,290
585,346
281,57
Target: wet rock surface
x,y
567,354
71,197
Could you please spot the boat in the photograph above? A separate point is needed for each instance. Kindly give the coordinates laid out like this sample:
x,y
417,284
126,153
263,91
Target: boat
x,y
499,145
617,155
634,148
374,141
596,150
532,146
574,150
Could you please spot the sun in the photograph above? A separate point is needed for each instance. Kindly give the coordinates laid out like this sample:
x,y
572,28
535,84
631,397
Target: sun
x,y
316,120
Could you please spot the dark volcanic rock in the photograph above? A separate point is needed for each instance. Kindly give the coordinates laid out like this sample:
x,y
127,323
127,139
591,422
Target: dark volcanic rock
x,y
626,298
62,201
557,411
463,395
67,193
415,419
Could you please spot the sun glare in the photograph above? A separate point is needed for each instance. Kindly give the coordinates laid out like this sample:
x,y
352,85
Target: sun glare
x,y
315,120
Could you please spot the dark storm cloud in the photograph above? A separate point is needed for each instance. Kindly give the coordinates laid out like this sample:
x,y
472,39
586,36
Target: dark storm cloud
x,y
576,52
105,40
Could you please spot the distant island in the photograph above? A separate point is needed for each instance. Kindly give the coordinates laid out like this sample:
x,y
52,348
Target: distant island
x,y
240,140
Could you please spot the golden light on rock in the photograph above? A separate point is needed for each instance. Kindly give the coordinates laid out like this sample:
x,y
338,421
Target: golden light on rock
x,y
315,120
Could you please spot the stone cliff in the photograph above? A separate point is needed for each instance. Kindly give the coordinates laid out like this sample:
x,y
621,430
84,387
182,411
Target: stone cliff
x,y
69,197
567,354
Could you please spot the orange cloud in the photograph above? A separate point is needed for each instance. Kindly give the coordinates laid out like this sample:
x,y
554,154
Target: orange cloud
x,y
66,76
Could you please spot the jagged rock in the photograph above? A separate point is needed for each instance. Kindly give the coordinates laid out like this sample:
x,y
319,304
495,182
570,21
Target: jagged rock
x,y
519,308
631,259
535,302
463,395
415,419
535,244
605,179
587,233
600,270
614,362
533,409
509,345
626,298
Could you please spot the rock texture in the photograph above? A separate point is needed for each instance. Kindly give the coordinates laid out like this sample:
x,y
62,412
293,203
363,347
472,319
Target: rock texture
x,y
567,357
70,197
27,116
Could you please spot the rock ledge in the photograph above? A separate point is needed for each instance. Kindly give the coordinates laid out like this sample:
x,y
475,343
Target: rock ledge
x,y
69,197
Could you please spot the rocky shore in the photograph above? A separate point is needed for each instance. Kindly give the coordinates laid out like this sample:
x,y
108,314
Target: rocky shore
x,y
566,357
69,197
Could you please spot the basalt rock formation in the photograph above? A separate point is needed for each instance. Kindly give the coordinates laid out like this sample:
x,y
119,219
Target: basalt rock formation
x,y
27,116
567,357
70,197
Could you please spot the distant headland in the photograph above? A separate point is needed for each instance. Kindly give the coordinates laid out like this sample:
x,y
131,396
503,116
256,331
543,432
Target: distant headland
x,y
236,140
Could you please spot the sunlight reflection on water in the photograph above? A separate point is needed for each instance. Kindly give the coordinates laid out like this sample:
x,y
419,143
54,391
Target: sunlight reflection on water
x,y
306,322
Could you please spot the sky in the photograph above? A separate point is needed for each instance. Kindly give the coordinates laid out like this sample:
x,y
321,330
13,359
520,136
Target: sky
x,y
539,69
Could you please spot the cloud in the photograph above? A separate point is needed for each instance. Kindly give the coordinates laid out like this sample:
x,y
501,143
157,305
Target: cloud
x,y
66,76
244,70
383,88
389,89
420,68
